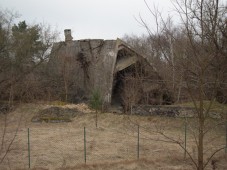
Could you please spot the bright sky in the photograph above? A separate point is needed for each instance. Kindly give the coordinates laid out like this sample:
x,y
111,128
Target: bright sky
x,y
104,19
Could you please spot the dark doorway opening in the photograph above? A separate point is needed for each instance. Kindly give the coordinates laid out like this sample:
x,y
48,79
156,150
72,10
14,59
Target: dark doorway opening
x,y
118,84
117,89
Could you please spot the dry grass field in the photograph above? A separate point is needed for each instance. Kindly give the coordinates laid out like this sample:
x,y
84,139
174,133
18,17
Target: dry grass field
x,y
113,145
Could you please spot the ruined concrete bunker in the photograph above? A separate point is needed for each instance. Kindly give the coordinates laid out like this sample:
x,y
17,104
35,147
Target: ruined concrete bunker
x,y
112,67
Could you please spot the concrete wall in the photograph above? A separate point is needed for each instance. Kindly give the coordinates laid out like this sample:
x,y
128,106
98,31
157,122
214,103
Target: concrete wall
x,y
95,72
90,65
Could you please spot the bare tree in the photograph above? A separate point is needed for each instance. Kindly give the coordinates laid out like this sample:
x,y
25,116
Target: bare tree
x,y
132,92
201,53
7,140
23,49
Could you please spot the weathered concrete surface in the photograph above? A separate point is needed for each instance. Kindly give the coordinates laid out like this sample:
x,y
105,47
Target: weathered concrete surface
x,y
172,111
87,65
91,61
126,62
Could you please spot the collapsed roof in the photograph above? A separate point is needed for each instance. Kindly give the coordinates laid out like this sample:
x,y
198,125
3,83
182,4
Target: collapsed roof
x,y
103,65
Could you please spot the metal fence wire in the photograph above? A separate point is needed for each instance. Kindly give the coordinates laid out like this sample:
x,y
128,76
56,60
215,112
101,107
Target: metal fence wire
x,y
62,146
89,145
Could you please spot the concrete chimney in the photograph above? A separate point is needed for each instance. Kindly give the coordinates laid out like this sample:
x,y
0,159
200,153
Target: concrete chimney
x,y
68,36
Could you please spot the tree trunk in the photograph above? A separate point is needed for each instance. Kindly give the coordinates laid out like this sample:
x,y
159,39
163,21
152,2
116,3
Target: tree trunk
x,y
179,89
201,126
11,95
200,146
65,78
96,118
66,90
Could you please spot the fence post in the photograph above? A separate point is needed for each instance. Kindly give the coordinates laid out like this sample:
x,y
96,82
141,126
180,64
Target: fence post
x,y
138,143
29,158
185,137
226,136
85,156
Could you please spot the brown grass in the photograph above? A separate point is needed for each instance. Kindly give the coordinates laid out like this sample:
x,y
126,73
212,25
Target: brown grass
x,y
113,145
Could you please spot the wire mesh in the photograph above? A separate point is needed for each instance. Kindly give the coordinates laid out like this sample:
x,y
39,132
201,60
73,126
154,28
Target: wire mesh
x,y
62,145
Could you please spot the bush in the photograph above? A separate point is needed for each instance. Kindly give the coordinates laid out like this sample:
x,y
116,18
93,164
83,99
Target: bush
x,y
96,100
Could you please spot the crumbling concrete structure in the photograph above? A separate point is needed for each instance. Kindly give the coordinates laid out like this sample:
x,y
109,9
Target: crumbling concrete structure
x,y
104,65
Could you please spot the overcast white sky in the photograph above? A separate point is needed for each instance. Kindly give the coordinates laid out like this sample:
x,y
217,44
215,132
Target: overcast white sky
x,y
104,19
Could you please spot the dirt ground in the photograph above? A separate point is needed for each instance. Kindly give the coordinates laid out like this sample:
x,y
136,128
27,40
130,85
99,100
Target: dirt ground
x,y
112,145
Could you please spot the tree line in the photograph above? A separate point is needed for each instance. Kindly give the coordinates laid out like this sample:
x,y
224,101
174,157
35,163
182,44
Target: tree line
x,y
24,52
191,56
